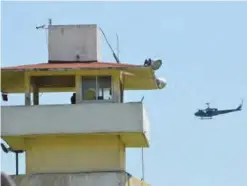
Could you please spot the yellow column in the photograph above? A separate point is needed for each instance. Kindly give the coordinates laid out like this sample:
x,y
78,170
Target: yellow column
x,y
35,94
78,88
116,87
27,89
121,153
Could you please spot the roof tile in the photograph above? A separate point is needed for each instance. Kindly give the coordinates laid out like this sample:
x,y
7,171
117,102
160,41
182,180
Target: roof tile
x,y
68,65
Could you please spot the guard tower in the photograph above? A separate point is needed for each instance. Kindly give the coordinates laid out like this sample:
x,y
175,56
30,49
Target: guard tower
x,y
81,143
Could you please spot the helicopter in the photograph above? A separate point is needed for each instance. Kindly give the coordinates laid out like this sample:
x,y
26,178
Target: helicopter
x,y
208,113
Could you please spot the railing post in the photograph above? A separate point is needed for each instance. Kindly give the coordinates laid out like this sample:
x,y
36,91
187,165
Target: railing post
x,y
35,94
27,89
78,88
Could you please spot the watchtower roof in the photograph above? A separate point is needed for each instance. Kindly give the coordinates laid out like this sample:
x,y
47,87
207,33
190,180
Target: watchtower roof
x,y
136,77
69,65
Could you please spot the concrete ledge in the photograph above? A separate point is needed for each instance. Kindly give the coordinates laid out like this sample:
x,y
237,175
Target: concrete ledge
x,y
107,178
129,120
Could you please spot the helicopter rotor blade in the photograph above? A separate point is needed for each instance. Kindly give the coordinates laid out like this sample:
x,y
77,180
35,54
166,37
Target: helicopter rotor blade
x,y
208,104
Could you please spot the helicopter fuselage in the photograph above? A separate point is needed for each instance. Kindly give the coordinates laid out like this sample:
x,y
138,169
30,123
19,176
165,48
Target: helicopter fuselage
x,y
208,113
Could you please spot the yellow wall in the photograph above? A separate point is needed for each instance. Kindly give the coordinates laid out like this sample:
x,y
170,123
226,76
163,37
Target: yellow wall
x,y
74,153
136,182
134,79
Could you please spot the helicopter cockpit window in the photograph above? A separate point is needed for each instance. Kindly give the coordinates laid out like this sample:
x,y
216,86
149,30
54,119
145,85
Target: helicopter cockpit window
x,y
96,88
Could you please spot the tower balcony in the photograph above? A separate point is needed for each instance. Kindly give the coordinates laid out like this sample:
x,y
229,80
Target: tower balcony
x,y
112,178
129,121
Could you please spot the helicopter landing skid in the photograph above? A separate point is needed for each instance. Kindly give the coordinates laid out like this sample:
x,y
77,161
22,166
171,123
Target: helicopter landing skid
x,y
206,118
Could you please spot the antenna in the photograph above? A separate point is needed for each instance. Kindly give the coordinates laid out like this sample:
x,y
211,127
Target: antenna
x,y
113,53
50,21
44,26
40,27
117,46
142,99
46,33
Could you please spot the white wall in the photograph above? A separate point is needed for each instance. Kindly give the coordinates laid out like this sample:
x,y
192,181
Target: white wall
x,y
85,179
66,41
79,118
146,125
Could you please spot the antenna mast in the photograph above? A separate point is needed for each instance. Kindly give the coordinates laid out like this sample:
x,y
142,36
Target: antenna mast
x,y
50,21
117,46
45,27
113,53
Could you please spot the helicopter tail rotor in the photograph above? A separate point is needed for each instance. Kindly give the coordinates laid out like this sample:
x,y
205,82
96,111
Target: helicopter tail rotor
x,y
241,105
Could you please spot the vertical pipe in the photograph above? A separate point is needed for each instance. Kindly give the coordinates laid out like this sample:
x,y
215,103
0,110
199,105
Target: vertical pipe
x,y
143,168
16,163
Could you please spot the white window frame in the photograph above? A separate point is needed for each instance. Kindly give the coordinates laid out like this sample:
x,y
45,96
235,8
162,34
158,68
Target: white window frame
x,y
97,90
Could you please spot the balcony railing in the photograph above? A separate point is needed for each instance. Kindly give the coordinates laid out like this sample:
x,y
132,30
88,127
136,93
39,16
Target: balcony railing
x,y
107,178
126,119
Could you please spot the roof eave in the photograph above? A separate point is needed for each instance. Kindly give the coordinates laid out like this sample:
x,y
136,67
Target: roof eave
x,y
72,69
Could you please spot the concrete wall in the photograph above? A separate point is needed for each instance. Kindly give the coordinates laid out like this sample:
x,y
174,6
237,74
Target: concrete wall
x,y
78,179
146,125
73,119
67,41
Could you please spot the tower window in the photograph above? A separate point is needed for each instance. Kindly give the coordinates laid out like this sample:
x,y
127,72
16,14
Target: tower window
x,y
96,88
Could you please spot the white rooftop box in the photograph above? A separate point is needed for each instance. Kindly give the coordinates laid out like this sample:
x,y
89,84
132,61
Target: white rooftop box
x,y
73,43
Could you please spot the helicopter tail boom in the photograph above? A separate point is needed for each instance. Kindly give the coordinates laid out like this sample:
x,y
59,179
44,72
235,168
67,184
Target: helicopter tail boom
x,y
240,106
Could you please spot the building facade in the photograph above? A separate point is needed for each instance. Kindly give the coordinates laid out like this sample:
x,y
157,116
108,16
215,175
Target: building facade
x,y
82,143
